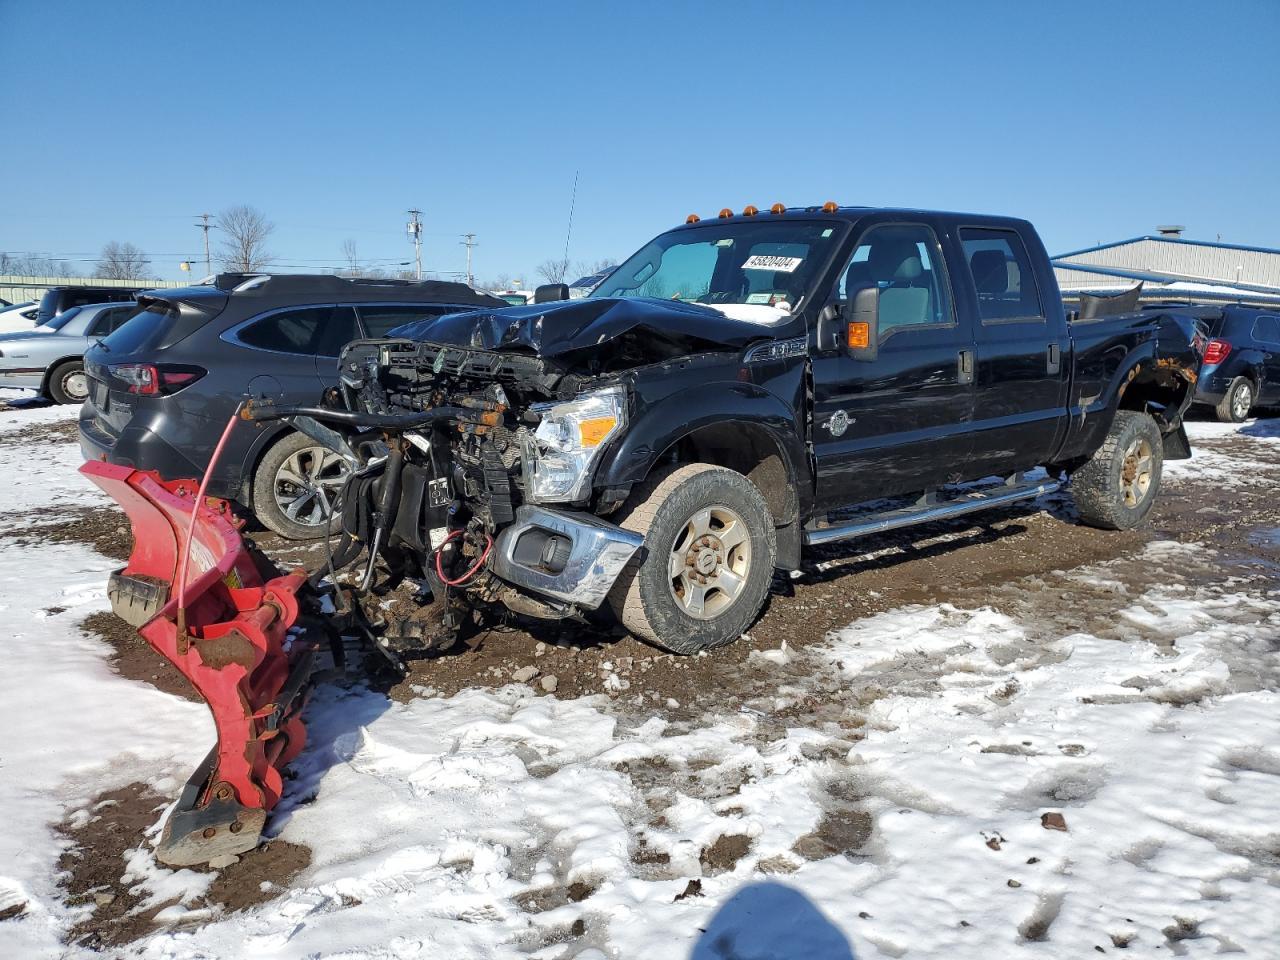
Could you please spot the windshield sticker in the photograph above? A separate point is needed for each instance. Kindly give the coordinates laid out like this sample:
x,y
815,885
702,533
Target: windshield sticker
x,y
776,264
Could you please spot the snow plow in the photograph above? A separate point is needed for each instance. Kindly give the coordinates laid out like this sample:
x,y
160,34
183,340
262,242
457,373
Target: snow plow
x,y
226,617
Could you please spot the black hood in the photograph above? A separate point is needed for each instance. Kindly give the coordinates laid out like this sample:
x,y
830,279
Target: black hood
x,y
552,329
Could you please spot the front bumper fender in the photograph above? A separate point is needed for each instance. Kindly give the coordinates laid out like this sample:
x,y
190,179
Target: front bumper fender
x,y
570,556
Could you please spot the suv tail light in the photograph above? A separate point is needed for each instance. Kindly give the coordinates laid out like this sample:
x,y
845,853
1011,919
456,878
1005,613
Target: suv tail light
x,y
1216,351
155,379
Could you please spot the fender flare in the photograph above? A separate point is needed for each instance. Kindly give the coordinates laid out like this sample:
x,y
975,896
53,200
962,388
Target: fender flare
x,y
657,427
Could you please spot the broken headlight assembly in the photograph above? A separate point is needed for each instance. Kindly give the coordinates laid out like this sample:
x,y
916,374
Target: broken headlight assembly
x,y
559,457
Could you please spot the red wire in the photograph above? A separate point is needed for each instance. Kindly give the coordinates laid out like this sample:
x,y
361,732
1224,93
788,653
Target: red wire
x,y
195,509
475,567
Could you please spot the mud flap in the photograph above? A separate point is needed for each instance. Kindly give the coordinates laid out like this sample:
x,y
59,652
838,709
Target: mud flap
x,y
232,642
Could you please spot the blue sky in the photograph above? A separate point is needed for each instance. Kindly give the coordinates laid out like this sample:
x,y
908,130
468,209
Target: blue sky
x,y
1096,120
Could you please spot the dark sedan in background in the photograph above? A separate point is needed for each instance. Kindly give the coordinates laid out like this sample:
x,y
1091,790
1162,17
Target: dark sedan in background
x,y
163,386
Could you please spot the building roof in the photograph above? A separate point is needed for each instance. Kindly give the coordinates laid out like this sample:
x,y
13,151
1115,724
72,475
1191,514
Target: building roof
x,y
1173,263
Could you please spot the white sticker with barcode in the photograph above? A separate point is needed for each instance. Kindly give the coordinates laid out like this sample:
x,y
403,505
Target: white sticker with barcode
x,y
776,264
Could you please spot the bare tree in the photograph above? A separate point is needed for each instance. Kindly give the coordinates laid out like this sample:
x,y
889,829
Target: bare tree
x,y
244,239
553,271
589,268
352,257
122,261
28,265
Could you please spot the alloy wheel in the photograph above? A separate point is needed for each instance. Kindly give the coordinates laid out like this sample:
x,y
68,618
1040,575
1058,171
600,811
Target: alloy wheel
x,y
709,562
1136,473
307,485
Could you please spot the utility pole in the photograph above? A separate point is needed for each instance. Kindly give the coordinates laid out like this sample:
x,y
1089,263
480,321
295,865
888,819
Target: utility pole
x,y
415,231
208,267
469,241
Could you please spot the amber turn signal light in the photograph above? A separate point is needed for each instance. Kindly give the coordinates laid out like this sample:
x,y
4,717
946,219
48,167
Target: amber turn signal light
x,y
692,218
726,213
830,207
858,336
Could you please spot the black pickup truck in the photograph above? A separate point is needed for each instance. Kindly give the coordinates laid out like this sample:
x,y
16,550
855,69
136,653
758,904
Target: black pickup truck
x,y
742,388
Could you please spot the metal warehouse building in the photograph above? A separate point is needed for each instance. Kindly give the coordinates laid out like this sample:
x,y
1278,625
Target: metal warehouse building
x,y
1172,266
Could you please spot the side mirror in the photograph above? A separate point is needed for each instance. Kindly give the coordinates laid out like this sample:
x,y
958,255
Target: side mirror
x,y
830,328
862,332
550,292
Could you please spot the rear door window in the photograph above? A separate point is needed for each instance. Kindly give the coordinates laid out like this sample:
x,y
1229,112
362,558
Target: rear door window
x,y
380,319
109,321
1002,274
309,331
1266,329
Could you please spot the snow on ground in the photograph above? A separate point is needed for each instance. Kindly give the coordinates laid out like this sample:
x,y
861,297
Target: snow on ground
x,y
917,818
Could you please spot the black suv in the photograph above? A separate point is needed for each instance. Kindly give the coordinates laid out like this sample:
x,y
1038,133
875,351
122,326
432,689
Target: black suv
x,y
162,387
1241,363
59,299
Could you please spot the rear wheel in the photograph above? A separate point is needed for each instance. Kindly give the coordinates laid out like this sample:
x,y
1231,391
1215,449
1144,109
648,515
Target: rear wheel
x,y
296,488
1236,402
68,383
1116,488
707,563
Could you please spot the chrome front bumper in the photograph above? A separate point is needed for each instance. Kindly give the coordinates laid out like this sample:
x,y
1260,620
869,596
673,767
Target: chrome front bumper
x,y
573,557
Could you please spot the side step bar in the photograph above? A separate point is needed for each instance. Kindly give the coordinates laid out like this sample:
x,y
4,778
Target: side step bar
x,y
910,516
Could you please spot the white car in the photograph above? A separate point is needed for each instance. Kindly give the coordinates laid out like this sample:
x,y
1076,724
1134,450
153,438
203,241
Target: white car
x,y
19,317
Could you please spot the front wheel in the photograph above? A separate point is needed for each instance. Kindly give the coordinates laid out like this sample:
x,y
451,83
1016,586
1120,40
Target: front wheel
x,y
707,561
297,487
1236,402
1117,487
68,383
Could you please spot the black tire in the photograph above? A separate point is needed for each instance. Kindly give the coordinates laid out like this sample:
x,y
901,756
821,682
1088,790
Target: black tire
x,y
270,485
1109,490
652,603
67,383
1236,403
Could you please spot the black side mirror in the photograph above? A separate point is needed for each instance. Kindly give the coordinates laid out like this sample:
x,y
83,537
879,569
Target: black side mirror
x,y
830,328
862,333
550,292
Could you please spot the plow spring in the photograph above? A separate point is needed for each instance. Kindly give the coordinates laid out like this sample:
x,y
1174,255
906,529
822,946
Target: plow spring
x,y
232,638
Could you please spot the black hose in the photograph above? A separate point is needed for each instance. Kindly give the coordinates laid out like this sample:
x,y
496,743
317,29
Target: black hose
x,y
368,421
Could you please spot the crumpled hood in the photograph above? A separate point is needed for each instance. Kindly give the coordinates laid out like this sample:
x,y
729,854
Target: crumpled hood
x,y
550,329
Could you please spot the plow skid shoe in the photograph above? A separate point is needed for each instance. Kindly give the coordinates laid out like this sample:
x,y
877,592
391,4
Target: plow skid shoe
x,y
231,641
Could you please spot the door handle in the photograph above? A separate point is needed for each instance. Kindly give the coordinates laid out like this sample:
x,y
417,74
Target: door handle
x,y
964,366
1054,362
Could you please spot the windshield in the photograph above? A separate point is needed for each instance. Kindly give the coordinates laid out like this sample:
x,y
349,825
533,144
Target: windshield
x,y
765,262
61,320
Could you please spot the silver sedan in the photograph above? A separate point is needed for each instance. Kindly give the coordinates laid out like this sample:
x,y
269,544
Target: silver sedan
x,y
49,358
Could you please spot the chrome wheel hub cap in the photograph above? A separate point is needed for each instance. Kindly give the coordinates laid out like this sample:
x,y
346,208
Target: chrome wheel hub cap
x,y
1241,402
76,385
308,483
709,562
1136,474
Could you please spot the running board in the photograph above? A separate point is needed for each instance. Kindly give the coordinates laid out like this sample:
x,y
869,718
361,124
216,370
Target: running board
x,y
910,516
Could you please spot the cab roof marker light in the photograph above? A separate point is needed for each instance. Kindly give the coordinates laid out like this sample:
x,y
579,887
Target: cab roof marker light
x,y
726,213
750,210
692,218
778,208
830,207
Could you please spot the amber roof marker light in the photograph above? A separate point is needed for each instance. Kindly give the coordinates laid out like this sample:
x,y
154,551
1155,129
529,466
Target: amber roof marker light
x,y
726,213
750,210
778,208
692,218
830,207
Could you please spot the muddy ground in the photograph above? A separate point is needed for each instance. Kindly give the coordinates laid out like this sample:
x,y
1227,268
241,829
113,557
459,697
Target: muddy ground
x,y
1015,560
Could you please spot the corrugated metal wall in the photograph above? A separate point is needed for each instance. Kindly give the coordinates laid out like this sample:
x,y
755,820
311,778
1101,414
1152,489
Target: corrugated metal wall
x,y
17,289
1225,265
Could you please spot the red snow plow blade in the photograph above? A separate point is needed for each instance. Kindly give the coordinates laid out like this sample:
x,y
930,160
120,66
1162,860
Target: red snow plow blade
x,y
231,641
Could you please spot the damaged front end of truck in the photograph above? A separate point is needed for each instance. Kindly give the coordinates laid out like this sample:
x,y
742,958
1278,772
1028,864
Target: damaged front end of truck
x,y
473,445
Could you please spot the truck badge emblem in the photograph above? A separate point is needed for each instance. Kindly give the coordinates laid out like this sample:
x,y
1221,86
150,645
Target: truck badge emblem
x,y
838,423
